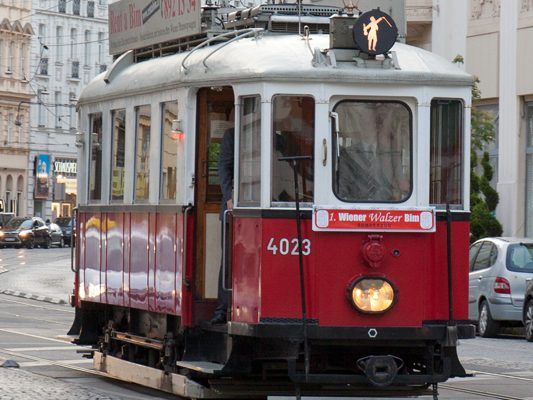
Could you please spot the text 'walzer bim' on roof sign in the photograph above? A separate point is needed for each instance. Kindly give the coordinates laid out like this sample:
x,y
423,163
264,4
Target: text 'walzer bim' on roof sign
x,y
135,24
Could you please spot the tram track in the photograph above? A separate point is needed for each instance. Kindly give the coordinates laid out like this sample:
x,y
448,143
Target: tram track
x,y
483,393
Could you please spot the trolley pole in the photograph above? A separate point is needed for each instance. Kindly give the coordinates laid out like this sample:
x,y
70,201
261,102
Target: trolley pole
x,y
293,161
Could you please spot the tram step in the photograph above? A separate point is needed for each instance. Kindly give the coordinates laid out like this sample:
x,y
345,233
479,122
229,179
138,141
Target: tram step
x,y
204,367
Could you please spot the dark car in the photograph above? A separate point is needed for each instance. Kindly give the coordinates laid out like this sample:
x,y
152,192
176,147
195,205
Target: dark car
x,y
68,226
25,231
5,217
56,234
528,311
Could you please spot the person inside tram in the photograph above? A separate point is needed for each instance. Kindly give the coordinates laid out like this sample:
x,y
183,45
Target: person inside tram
x,y
225,170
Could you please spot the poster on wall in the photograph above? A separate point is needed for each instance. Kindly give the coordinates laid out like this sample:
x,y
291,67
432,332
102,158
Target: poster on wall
x,y
42,173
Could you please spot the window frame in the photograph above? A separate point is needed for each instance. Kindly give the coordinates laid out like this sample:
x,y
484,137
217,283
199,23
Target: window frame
x,y
112,159
162,189
461,123
90,157
411,147
141,200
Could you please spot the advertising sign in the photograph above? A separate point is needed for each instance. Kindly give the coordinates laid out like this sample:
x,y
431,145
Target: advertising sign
x,y
374,219
42,173
135,24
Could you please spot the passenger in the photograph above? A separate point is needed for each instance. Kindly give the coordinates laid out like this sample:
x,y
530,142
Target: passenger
x,y
225,171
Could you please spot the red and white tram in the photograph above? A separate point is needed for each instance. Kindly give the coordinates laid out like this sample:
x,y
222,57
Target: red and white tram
x,y
363,290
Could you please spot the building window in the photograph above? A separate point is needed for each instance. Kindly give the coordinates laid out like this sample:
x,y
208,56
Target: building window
x,y
23,61
11,56
41,111
372,151
59,43
75,69
43,66
9,128
62,6
76,7
87,47
90,9
72,110
1,52
446,153
529,170
118,118
100,48
169,152
142,153
103,68
73,38
58,109
95,170
250,152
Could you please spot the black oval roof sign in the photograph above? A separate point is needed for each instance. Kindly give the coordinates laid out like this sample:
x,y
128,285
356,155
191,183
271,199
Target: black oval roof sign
x,y
375,32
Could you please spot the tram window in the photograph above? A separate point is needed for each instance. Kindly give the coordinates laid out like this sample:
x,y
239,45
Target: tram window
x,y
250,152
372,151
142,152
95,170
446,159
293,131
169,152
119,142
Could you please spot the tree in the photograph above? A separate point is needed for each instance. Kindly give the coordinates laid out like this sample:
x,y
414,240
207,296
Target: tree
x,y
483,198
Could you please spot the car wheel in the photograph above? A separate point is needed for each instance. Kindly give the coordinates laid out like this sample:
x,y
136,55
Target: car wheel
x,y
47,243
62,243
486,326
528,320
30,244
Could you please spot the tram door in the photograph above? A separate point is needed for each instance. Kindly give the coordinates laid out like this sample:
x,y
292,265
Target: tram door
x,y
215,113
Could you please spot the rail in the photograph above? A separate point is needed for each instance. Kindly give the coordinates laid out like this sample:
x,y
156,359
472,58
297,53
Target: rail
x,y
241,33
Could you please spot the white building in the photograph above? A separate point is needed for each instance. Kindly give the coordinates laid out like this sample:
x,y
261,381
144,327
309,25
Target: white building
x,y
69,49
15,96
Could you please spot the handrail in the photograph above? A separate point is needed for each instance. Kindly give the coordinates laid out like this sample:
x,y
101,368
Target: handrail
x,y
185,234
223,272
223,35
74,268
253,31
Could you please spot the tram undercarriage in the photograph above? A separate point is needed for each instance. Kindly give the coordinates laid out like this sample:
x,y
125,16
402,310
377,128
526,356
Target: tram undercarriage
x,y
221,361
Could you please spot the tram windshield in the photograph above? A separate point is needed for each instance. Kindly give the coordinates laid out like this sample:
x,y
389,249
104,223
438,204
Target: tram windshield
x,y
372,151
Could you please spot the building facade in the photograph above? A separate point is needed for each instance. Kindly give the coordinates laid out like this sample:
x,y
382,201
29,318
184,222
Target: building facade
x,y
15,97
494,38
69,49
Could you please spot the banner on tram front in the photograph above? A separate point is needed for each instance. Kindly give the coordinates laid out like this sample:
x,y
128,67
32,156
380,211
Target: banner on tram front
x,y
134,24
355,219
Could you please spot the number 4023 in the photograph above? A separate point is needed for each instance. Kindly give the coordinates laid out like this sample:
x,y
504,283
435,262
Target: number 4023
x,y
288,246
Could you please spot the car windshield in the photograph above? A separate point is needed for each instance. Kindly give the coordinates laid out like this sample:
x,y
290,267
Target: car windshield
x,y
14,223
64,222
520,257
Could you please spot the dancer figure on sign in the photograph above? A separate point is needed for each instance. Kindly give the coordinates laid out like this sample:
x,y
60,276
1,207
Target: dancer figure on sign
x,y
371,30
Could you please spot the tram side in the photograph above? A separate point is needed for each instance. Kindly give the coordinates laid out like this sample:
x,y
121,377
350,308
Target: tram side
x,y
384,220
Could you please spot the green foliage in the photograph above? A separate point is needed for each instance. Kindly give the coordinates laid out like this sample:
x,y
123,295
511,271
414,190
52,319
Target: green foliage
x,y
483,198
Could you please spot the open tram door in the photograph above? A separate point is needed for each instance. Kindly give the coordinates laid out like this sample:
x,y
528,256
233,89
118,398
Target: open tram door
x,y
215,115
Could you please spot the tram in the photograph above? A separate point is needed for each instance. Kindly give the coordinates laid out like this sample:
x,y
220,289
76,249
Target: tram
x,y
345,254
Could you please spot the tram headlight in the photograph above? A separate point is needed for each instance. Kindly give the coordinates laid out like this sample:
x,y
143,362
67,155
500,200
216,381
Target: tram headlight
x,y
371,295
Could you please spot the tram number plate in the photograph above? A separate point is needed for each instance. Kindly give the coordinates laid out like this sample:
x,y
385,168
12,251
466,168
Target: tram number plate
x,y
288,247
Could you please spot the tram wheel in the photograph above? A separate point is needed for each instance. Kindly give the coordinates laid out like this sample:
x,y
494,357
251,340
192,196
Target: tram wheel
x,y
487,327
528,321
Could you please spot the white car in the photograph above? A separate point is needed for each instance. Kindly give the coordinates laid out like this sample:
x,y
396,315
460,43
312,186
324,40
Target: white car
x,y
499,271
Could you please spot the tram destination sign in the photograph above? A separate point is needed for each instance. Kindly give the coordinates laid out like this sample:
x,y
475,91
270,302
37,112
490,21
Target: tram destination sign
x,y
419,219
134,24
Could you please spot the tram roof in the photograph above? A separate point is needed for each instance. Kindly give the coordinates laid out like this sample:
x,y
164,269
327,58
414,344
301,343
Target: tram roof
x,y
272,57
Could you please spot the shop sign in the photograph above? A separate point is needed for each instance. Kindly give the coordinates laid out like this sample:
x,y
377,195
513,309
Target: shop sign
x,y
135,24
67,167
42,174
420,219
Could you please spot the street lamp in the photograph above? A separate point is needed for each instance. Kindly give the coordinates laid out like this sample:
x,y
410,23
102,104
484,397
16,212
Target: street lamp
x,y
18,122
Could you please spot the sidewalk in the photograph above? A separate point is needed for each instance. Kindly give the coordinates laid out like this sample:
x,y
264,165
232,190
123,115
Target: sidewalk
x,y
17,384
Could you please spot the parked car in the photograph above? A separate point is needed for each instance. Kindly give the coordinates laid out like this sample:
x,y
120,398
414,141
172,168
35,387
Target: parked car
x,y
25,231
68,226
56,235
499,269
528,311
5,217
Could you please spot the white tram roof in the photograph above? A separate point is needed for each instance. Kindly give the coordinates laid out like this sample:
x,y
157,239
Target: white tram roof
x,y
272,57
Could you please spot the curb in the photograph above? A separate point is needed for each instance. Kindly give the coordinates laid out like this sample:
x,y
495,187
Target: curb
x,y
33,297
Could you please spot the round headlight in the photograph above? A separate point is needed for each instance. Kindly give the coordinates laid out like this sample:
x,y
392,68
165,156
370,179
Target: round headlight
x,y
24,234
1,234
371,295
